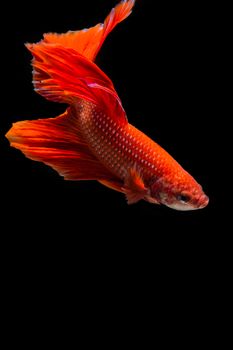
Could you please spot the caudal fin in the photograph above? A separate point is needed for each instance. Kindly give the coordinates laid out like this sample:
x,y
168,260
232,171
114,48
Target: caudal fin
x,y
63,69
63,75
88,42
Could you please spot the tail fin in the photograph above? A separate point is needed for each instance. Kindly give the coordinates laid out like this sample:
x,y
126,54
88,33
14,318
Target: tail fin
x,y
88,42
58,143
63,75
63,67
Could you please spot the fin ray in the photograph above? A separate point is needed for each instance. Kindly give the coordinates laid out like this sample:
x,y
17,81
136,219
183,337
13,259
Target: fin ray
x,y
113,184
134,186
88,42
58,143
63,75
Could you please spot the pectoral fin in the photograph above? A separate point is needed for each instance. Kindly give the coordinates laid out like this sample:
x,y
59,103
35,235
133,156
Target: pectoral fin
x,y
135,188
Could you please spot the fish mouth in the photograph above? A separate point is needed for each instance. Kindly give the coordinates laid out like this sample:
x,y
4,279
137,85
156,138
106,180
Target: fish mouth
x,y
202,201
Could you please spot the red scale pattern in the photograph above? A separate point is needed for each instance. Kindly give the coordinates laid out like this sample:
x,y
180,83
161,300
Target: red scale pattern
x,y
121,147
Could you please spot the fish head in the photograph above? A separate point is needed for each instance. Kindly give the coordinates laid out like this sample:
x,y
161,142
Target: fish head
x,y
180,192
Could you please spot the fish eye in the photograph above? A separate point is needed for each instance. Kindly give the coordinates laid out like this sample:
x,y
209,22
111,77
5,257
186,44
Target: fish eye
x,y
183,198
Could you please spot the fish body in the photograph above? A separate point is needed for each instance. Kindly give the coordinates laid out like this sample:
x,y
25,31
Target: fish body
x,y
93,139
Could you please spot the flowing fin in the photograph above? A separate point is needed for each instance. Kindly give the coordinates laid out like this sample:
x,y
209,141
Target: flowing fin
x,y
134,186
88,42
113,184
58,143
135,189
63,75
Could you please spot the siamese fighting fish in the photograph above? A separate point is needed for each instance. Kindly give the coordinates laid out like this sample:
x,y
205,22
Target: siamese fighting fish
x,y
92,139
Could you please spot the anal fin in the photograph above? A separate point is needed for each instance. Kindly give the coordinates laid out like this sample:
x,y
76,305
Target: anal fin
x,y
58,143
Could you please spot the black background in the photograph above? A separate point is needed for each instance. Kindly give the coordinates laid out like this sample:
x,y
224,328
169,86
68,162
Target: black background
x,y
164,64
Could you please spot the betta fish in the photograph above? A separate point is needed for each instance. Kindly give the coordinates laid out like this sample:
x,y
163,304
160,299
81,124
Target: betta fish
x,y
92,139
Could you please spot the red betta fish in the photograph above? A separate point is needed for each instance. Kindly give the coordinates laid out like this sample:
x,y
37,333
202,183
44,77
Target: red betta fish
x,y
93,140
